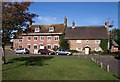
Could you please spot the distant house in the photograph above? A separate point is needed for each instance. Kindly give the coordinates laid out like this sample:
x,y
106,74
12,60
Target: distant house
x,y
114,46
40,37
86,38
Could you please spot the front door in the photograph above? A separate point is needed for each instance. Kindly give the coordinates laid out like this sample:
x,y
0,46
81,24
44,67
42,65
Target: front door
x,y
87,51
41,46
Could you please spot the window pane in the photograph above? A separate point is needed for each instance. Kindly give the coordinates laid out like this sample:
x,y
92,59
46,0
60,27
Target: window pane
x,y
56,46
28,46
78,48
49,46
29,38
51,29
87,41
35,46
20,46
49,38
41,44
37,29
56,38
20,40
97,41
35,38
78,41
42,38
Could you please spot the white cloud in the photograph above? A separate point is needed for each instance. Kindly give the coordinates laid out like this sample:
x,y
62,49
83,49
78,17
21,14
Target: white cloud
x,y
47,20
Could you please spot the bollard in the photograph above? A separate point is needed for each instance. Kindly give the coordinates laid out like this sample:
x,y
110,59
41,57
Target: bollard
x,y
92,59
101,65
97,62
108,68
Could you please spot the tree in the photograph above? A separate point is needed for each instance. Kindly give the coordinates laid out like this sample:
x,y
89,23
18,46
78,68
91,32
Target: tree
x,y
104,45
64,44
115,34
15,17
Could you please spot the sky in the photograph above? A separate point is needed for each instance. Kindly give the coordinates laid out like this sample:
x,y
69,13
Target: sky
x,y
82,13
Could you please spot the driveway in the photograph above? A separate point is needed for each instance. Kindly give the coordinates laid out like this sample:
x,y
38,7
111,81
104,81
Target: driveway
x,y
108,60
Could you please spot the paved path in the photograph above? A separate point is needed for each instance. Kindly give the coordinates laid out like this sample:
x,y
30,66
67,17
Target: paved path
x,y
108,60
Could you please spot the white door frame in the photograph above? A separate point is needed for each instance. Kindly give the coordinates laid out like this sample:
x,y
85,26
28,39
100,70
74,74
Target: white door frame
x,y
87,50
42,47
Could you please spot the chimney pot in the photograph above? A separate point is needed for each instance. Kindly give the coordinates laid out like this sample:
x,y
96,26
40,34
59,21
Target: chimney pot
x,y
73,24
107,23
65,21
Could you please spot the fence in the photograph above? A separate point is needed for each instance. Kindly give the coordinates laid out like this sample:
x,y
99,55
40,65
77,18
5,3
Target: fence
x,y
106,67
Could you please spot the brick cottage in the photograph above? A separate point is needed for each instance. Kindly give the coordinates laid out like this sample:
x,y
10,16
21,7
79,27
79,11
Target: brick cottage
x,y
40,37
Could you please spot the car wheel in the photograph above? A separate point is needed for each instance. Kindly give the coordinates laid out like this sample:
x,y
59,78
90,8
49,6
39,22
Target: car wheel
x,y
57,54
49,53
39,52
14,52
68,54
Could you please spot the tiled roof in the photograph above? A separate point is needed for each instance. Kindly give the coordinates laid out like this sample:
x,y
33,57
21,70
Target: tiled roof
x,y
44,28
114,43
86,32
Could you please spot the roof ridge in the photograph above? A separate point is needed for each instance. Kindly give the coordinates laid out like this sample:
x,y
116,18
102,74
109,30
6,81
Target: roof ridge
x,y
47,24
88,26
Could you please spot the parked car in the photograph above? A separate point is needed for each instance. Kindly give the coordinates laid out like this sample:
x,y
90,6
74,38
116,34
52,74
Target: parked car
x,y
46,52
21,51
63,52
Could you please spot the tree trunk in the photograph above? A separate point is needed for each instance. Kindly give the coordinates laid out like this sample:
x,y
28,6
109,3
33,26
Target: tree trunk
x,y
4,58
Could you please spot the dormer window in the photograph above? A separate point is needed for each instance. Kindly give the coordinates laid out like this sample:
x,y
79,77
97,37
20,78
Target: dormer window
x,y
87,41
97,41
51,29
37,29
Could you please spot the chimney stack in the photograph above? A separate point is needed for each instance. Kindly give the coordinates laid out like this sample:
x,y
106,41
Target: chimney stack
x,y
107,24
65,21
73,24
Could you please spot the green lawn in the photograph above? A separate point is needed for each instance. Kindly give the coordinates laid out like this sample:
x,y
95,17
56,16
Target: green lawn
x,y
53,68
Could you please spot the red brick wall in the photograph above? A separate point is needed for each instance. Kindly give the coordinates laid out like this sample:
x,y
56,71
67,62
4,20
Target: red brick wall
x,y
114,49
92,43
25,42
15,43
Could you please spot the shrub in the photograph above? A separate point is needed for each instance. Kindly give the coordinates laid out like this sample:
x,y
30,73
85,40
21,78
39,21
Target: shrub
x,y
55,49
94,52
64,44
73,51
104,45
100,53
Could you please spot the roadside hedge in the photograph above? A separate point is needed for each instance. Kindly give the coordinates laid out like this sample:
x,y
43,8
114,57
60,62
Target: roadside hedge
x,y
73,51
104,45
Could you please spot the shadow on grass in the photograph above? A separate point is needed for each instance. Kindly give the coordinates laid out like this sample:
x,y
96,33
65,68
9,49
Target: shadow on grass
x,y
12,67
29,61
32,60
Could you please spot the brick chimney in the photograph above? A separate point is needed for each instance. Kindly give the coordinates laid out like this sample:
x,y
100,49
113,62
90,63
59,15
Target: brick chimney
x,y
65,21
73,24
107,24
